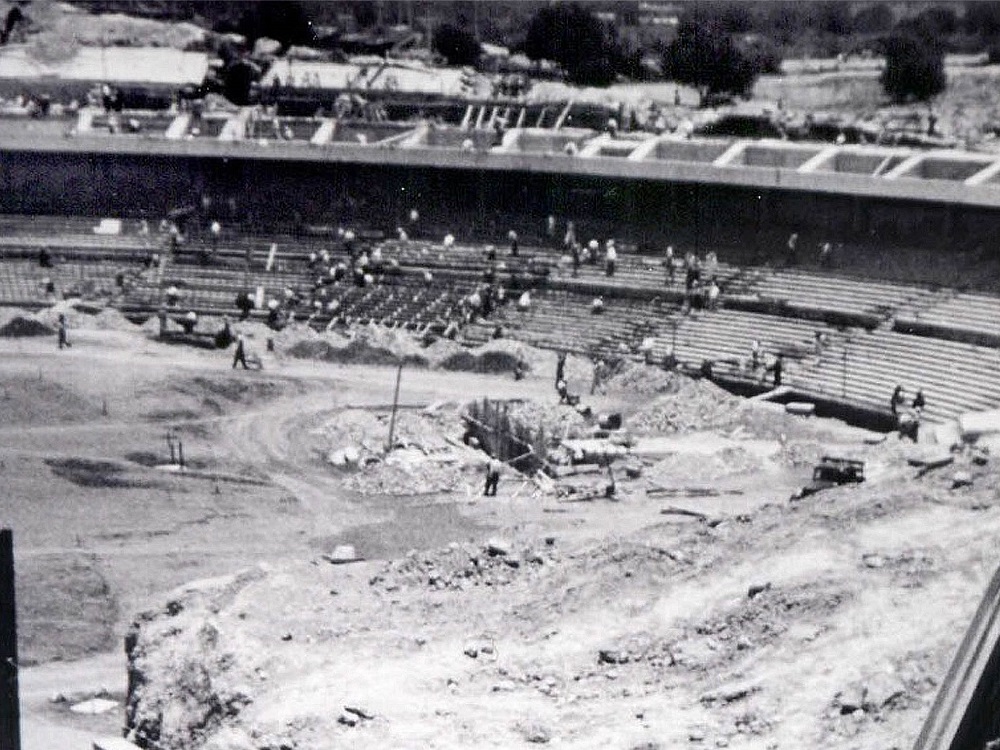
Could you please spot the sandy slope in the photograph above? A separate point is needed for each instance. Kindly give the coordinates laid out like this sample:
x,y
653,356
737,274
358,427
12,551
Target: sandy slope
x,y
864,592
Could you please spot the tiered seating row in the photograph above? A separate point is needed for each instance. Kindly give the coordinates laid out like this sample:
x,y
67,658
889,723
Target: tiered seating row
x,y
968,314
563,320
726,337
954,377
837,294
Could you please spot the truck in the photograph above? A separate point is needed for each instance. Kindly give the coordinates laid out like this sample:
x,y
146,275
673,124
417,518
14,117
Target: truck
x,y
832,472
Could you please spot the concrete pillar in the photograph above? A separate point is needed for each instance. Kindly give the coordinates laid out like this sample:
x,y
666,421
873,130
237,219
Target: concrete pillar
x,y
10,713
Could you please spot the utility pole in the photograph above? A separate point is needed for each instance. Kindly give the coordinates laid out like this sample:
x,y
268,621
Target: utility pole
x,y
395,405
10,717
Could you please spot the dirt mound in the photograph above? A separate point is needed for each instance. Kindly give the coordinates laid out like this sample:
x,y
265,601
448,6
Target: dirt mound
x,y
360,350
639,379
693,405
555,419
232,389
89,473
427,457
492,362
756,621
110,319
21,327
497,563
35,401
64,599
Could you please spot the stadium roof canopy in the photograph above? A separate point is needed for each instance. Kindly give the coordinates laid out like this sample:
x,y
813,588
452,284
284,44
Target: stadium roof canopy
x,y
149,65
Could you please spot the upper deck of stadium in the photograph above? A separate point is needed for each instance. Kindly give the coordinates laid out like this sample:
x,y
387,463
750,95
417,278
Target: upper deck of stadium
x,y
944,176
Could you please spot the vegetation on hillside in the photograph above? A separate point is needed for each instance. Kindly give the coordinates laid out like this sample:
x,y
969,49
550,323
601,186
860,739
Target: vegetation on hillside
x,y
719,46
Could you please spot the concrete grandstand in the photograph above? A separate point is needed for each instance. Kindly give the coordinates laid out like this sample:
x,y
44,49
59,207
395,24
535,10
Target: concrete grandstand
x,y
846,341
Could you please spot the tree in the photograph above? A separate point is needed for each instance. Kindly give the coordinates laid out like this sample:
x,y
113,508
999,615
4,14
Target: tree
x,y
982,18
456,45
875,19
285,22
574,38
938,21
708,59
914,67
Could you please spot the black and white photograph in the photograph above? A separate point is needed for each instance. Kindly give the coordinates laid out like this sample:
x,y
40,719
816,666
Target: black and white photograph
x,y
480,374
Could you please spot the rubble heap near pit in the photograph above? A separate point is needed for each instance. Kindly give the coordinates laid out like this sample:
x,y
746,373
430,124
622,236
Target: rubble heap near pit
x,y
691,405
460,566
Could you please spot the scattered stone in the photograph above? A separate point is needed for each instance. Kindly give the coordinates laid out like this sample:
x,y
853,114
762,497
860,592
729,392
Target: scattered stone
x,y
611,656
497,548
471,653
882,690
961,479
359,712
286,637
757,589
348,720
873,560
729,693
550,540
536,734
342,553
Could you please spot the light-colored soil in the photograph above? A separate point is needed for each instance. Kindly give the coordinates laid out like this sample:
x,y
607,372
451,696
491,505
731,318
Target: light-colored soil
x,y
868,587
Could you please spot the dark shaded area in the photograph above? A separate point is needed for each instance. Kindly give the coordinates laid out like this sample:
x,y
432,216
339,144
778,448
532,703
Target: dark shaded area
x,y
85,472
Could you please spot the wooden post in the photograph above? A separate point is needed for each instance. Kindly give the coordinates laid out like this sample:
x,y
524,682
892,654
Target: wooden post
x,y
10,723
395,405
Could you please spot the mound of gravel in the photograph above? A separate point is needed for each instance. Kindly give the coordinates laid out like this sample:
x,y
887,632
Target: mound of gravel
x,y
635,378
358,351
21,327
694,405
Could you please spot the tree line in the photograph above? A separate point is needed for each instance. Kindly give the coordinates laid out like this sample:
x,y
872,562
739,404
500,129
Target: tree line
x,y
719,46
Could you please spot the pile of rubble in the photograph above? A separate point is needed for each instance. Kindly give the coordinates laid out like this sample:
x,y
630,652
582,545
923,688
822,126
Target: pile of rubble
x,y
643,380
463,566
694,405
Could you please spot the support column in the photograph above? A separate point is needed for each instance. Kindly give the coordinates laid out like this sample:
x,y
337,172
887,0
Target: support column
x,y
10,717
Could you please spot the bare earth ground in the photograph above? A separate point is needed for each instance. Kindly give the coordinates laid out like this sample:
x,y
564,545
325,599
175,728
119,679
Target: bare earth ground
x,y
598,624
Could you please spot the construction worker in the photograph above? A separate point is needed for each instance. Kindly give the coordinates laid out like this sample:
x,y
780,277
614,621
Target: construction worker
x,y
63,341
240,356
563,390
492,477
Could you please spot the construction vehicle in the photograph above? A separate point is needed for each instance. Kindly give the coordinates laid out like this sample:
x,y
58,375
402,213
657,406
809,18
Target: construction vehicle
x,y
832,472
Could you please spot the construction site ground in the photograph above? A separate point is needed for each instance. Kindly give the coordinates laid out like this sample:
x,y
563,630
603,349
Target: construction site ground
x,y
525,618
